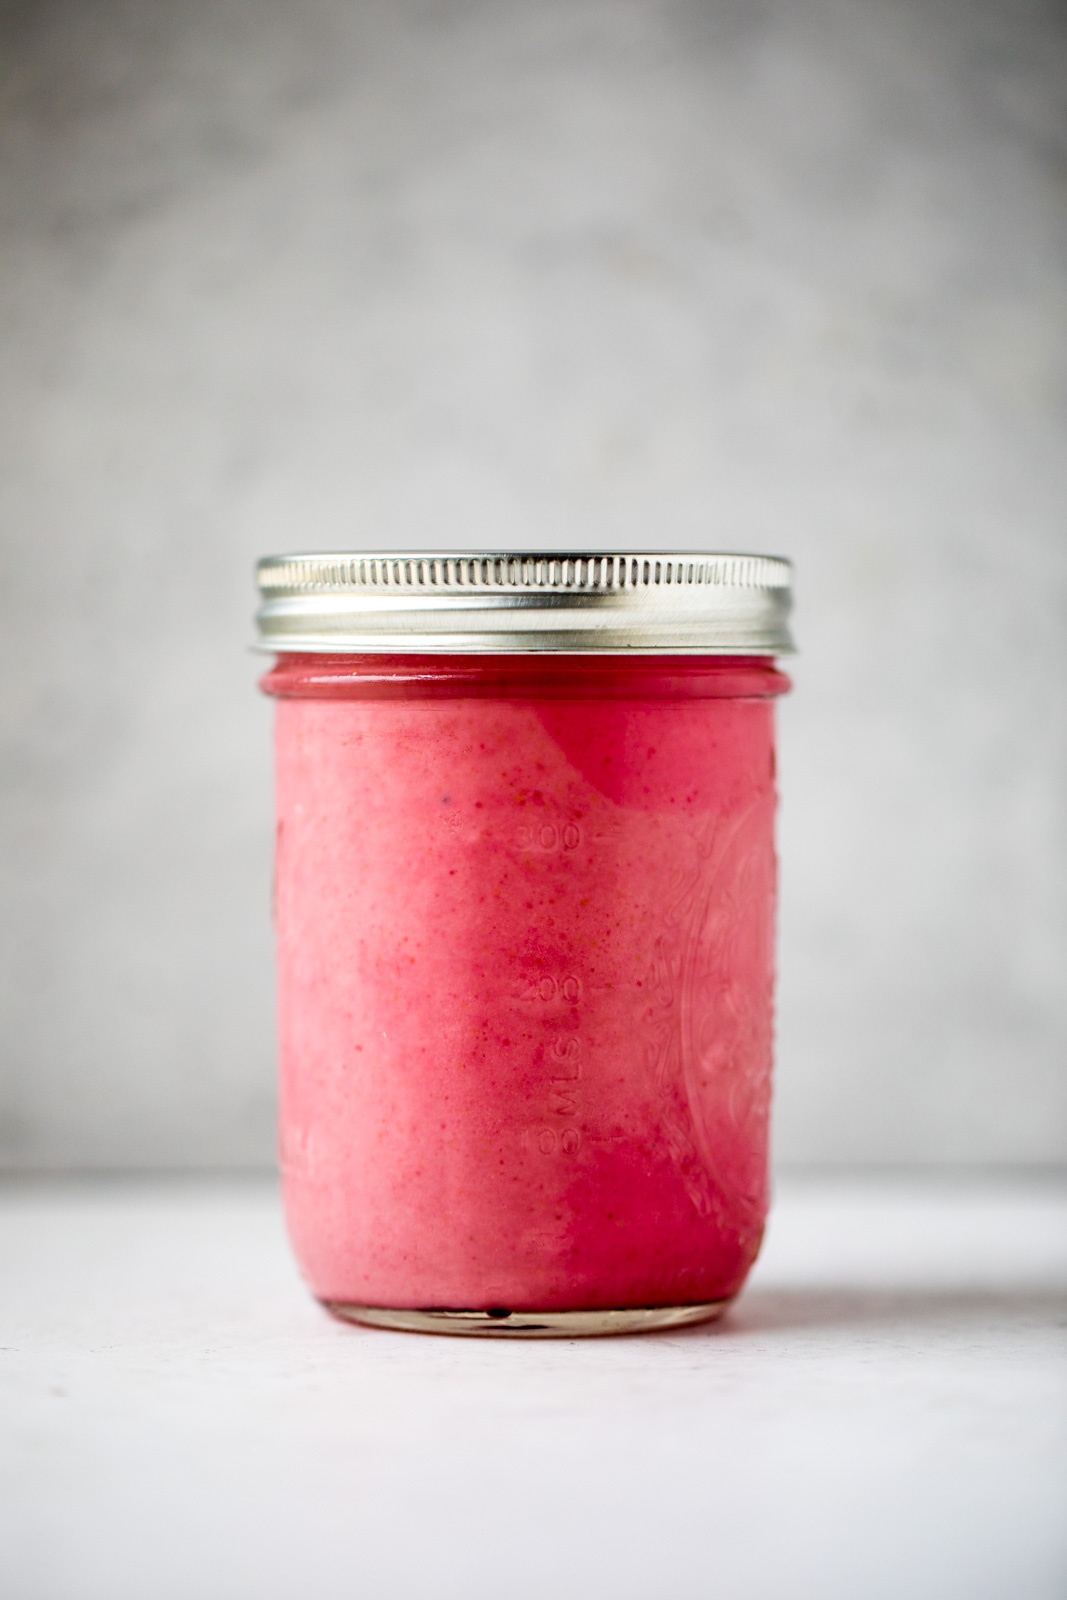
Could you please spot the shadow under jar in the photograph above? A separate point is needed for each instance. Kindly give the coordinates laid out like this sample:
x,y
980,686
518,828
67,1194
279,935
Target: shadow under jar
x,y
524,903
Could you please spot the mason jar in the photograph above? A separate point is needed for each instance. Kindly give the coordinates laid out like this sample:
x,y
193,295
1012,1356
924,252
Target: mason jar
x,y
524,900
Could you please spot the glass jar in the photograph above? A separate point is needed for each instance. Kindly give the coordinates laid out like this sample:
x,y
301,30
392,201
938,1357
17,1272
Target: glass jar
x,y
524,903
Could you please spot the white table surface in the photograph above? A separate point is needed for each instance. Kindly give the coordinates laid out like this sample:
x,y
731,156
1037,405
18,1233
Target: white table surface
x,y
884,1413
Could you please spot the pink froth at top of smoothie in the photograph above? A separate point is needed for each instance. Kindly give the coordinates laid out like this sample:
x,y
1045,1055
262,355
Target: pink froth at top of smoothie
x,y
525,919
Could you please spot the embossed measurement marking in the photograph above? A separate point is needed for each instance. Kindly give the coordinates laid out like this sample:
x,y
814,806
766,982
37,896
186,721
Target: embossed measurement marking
x,y
564,1072
563,1065
549,836
549,988
569,1141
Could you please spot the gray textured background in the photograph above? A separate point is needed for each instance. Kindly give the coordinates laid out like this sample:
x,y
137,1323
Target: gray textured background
x,y
781,275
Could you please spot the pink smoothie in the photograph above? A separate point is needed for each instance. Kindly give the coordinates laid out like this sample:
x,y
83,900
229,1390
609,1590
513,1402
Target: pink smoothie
x,y
525,913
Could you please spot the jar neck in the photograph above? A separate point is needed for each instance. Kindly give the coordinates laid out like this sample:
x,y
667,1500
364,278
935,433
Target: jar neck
x,y
307,676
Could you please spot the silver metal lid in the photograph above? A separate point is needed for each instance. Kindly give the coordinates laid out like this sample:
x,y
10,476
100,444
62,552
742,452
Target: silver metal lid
x,y
480,601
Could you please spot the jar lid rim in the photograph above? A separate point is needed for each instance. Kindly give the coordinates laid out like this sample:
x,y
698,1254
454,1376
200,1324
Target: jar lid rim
x,y
682,602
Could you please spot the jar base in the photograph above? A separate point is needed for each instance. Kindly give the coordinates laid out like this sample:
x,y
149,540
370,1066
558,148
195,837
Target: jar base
x,y
505,1324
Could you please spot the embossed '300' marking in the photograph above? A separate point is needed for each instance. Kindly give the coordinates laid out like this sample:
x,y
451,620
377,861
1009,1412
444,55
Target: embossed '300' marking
x,y
548,836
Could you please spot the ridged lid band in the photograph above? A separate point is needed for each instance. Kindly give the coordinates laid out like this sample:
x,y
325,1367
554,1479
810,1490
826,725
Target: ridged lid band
x,y
480,601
